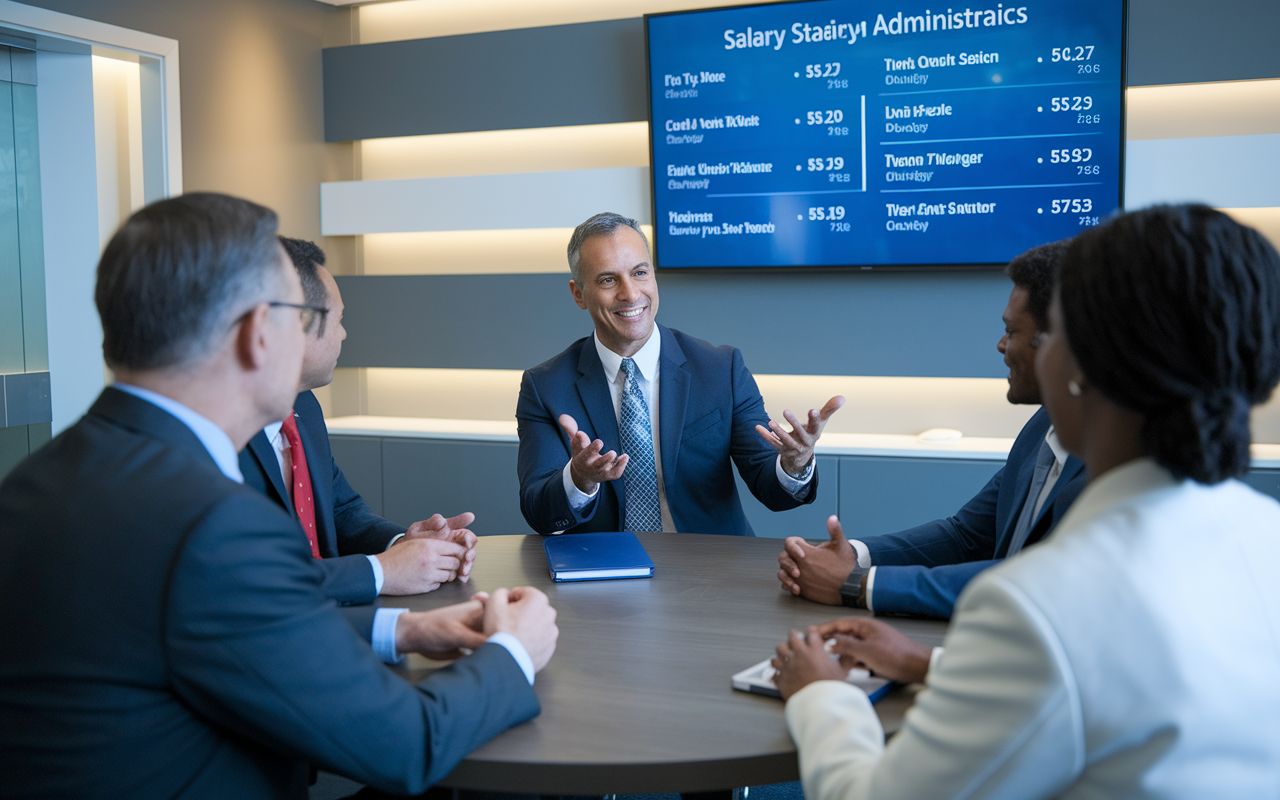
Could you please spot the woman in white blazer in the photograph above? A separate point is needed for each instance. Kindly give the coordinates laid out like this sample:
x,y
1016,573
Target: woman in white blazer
x,y
1135,653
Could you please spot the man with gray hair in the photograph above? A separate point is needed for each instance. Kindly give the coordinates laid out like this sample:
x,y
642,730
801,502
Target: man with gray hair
x,y
636,427
165,629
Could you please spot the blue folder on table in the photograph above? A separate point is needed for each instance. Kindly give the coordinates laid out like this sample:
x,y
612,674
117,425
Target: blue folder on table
x,y
596,556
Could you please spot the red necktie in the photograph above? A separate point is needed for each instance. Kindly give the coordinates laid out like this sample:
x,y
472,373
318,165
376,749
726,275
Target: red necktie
x,y
302,500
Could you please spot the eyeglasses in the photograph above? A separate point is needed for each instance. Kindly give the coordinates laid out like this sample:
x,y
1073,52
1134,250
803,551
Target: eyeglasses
x,y
309,314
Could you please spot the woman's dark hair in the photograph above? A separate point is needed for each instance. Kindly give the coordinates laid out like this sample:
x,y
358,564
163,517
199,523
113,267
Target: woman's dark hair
x,y
1174,312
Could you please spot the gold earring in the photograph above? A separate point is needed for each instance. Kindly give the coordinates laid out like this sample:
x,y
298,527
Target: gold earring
x,y
1074,388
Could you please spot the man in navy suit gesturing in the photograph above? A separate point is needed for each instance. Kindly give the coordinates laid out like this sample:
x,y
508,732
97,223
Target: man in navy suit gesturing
x,y
922,571
637,427
362,555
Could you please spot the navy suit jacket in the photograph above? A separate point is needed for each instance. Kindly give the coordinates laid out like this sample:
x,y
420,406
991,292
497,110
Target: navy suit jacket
x,y
347,530
708,407
165,635
922,570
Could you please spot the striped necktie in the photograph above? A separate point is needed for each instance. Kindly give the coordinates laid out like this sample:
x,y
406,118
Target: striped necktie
x,y
641,476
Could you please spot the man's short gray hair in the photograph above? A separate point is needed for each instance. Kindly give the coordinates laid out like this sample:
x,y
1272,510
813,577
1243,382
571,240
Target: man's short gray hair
x,y
604,224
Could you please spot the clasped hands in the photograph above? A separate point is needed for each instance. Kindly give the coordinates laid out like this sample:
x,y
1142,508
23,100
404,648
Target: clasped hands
x,y
589,466
859,642
817,572
432,552
441,634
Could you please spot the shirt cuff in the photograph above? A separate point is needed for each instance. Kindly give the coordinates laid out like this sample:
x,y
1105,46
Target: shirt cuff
x,y
378,577
871,590
864,555
933,661
794,486
394,539
384,634
517,652
577,498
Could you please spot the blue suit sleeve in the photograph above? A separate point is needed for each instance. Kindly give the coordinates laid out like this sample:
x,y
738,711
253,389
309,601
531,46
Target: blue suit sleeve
x,y
360,618
970,535
754,458
923,591
347,580
544,450
359,530
253,647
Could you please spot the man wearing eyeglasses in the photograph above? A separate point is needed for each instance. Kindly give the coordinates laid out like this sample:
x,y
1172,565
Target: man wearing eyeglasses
x,y
361,554
164,629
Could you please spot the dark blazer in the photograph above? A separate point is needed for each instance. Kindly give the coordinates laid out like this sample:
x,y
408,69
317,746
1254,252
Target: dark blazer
x,y
923,570
347,530
165,635
708,407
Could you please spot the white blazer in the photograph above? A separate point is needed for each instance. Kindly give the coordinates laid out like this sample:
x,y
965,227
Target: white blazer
x,y
1135,653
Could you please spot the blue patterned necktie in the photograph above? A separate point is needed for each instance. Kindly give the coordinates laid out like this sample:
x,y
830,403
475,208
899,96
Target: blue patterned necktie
x,y
641,476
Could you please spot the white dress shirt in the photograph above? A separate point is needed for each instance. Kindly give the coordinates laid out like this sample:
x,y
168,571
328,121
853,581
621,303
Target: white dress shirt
x,y
1060,455
1132,654
647,360
284,458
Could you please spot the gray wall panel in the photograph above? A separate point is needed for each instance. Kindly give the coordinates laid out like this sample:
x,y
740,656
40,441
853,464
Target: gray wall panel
x,y
458,321
422,477
884,495
809,522
940,324
594,72
1266,481
1193,41
360,459
583,74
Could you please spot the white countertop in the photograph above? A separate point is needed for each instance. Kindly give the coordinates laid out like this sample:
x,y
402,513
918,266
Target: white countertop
x,y
1265,456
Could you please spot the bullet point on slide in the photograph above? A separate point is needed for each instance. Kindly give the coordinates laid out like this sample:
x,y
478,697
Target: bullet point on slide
x,y
797,167
797,74
797,120
799,216
1038,60
1039,210
1039,160
1039,108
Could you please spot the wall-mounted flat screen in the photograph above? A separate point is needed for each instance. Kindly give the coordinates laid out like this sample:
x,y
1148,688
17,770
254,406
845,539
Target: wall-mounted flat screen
x,y
874,133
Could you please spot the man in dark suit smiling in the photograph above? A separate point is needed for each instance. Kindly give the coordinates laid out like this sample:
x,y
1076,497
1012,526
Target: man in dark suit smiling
x,y
164,629
638,427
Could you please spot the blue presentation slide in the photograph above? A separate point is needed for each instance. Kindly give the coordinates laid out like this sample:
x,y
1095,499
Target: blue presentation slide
x,y
868,133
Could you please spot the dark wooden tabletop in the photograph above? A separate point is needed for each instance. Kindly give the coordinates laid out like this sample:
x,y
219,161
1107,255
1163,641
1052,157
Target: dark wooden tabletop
x,y
637,697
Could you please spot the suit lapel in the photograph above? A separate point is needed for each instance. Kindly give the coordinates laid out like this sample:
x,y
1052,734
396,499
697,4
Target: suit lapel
x,y
1070,470
263,452
593,390
673,396
1026,472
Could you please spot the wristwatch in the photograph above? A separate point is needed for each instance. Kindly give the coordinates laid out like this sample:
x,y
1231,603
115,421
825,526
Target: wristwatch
x,y
806,472
851,591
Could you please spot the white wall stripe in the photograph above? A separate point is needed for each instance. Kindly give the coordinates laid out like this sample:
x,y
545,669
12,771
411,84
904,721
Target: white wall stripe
x,y
483,202
1223,171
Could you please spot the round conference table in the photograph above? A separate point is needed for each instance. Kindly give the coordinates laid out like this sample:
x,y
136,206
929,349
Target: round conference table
x,y
637,698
